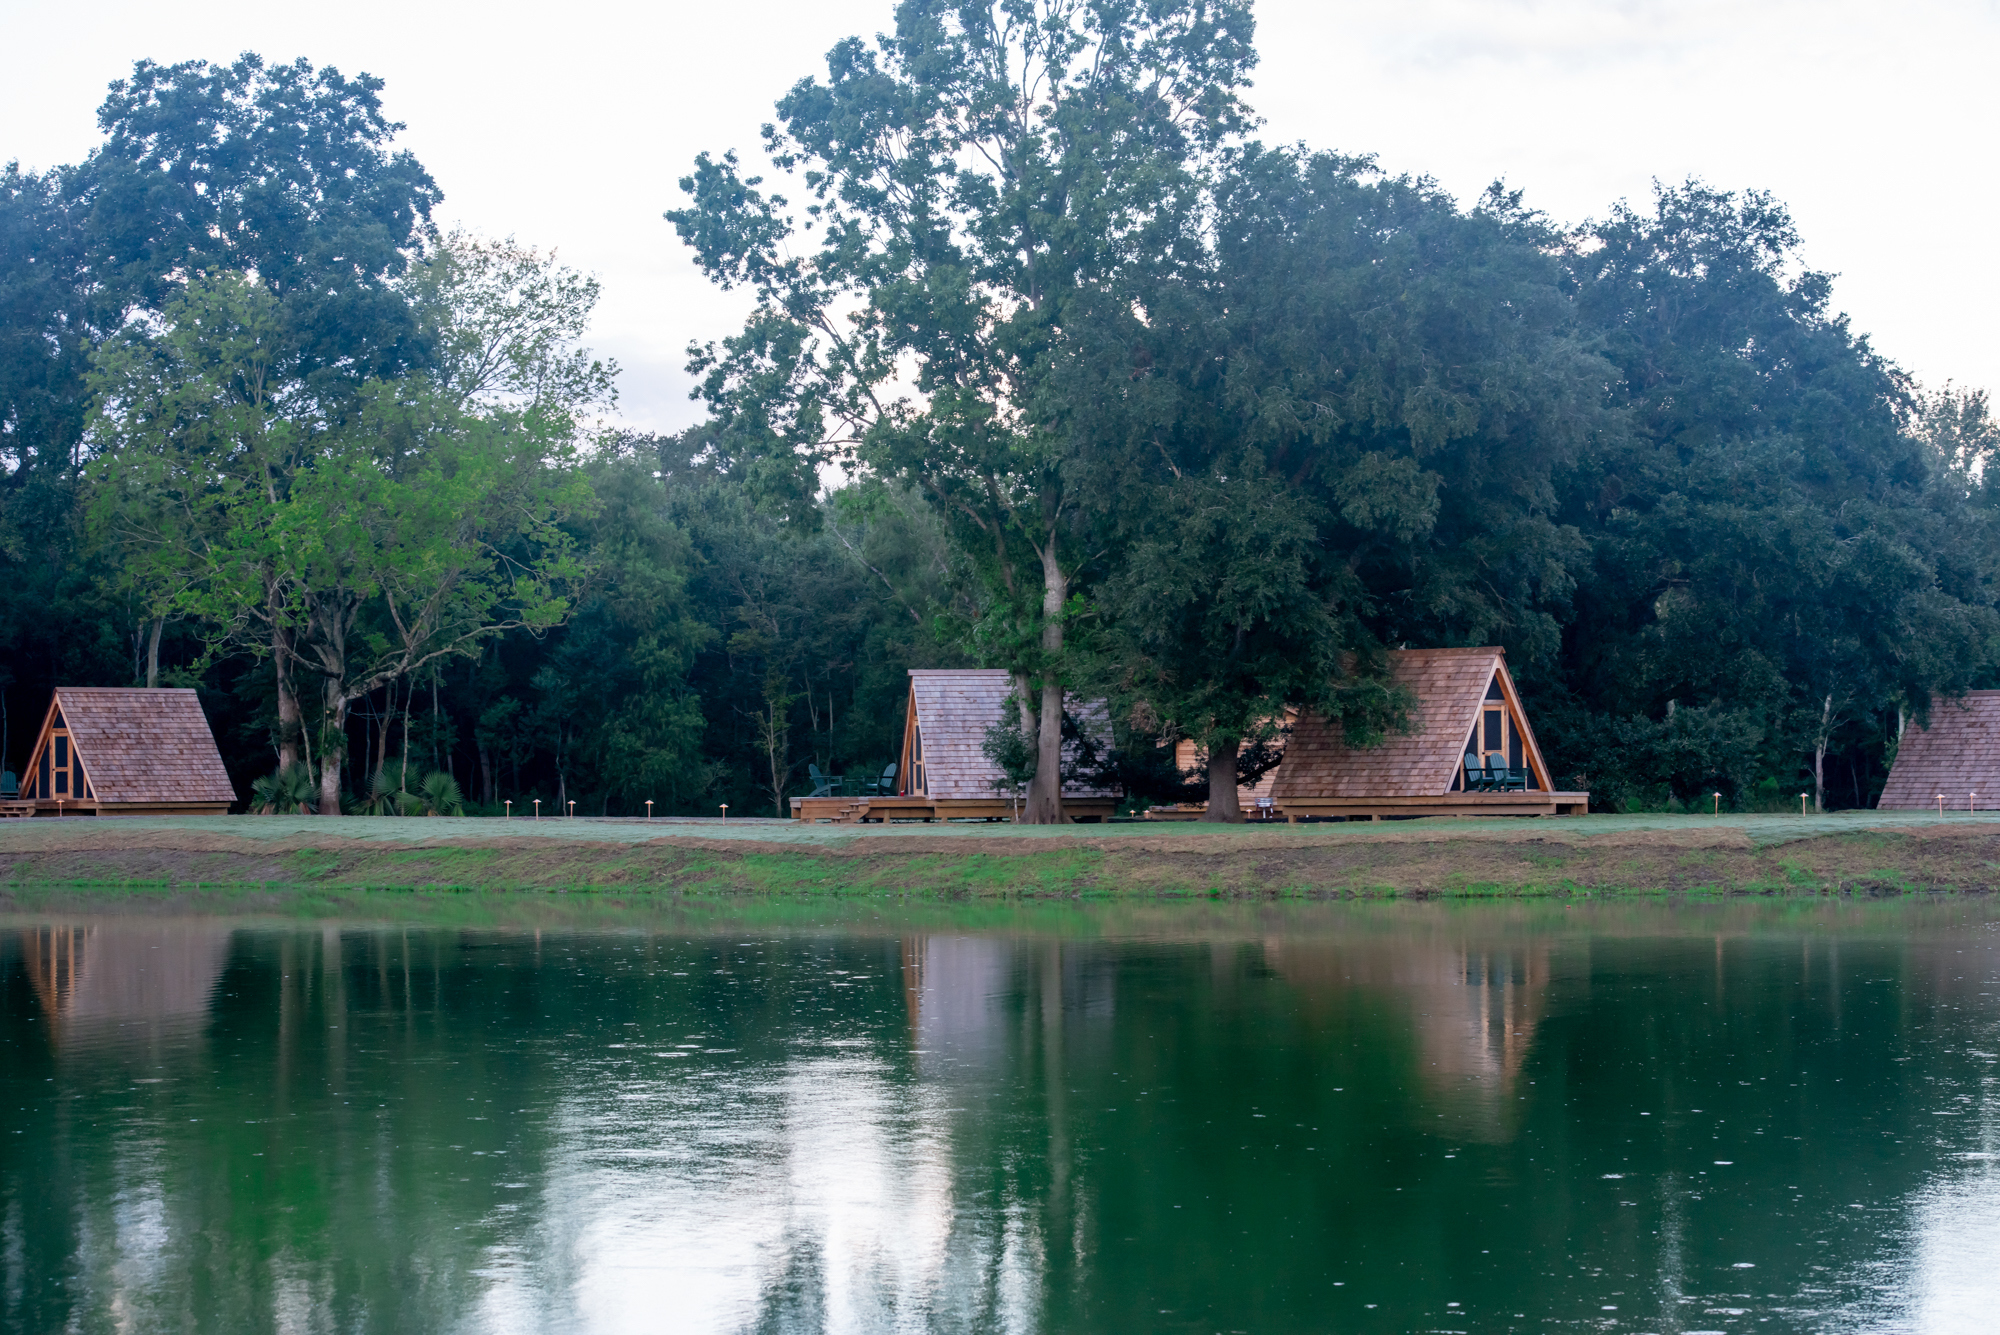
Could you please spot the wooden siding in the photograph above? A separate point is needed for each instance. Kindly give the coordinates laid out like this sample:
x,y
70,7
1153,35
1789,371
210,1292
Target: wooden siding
x,y
1188,756
1449,686
1957,755
952,709
138,746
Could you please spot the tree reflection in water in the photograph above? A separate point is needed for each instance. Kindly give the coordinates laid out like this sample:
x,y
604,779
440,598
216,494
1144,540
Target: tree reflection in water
x,y
1634,1119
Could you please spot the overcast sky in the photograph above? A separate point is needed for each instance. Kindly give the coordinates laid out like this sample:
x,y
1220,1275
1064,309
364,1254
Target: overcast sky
x,y
568,125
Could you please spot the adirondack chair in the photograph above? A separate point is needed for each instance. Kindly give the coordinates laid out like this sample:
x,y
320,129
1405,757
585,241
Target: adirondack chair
x,y
9,785
824,785
1511,780
882,787
1476,777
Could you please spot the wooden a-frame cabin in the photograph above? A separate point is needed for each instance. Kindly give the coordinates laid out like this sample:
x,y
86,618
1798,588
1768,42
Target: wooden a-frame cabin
x,y
1466,706
942,772
114,751
1953,762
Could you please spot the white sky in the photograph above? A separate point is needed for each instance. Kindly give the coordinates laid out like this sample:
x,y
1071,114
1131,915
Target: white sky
x,y
567,126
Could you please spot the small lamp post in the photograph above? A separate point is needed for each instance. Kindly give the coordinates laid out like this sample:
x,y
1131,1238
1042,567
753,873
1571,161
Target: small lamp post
x,y
649,808
1940,800
1802,804
538,808
1718,804
510,809
1971,803
572,808
725,811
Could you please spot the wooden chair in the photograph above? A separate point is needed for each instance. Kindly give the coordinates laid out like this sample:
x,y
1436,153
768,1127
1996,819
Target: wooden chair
x,y
1476,774
9,785
882,787
1507,780
824,785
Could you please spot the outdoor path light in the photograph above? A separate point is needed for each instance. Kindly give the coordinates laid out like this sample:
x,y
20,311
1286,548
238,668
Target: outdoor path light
x,y
538,808
725,811
1940,804
1802,804
649,808
572,808
1718,804
510,810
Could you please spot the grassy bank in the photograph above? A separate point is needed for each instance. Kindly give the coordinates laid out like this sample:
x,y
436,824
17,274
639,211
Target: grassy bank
x,y
1862,853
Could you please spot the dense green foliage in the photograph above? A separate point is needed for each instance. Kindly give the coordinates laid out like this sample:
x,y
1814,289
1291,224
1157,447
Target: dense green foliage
x,y
1119,400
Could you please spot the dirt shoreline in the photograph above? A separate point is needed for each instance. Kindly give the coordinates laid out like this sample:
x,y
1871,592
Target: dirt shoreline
x,y
1516,860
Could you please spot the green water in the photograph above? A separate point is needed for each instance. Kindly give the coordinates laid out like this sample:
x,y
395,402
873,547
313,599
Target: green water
x,y
1416,1117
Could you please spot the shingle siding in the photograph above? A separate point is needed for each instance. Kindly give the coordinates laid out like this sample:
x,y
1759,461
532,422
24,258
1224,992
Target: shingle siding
x,y
141,745
955,707
1957,755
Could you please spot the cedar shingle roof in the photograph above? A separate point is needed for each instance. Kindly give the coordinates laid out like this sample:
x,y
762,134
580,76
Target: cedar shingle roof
x,y
1449,686
955,707
141,745
1957,755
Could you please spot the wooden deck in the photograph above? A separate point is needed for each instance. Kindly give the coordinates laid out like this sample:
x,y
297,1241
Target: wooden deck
x,y
1447,804
881,810
93,807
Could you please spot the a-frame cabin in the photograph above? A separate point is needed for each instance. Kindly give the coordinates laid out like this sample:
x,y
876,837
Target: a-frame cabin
x,y
1468,724
944,735
1954,761
115,751
942,772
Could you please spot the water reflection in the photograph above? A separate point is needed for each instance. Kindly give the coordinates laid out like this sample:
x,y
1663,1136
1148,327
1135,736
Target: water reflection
x,y
147,978
1371,1120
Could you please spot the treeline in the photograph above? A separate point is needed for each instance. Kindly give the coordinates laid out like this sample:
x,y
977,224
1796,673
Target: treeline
x,y
1108,394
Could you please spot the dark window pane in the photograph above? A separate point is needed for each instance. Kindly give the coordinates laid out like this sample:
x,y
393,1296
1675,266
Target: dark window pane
x,y
62,753
42,788
59,720
1493,689
1513,749
62,781
1492,730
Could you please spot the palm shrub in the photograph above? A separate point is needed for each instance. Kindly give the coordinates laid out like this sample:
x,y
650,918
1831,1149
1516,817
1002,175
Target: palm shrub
x,y
388,796
291,790
439,795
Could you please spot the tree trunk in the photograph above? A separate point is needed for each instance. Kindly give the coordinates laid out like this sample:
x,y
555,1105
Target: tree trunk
x,y
1223,801
1819,754
334,752
153,652
388,717
290,722
1044,806
485,771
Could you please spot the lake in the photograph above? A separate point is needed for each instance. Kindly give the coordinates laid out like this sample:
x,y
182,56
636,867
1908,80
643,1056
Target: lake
x,y
1207,1117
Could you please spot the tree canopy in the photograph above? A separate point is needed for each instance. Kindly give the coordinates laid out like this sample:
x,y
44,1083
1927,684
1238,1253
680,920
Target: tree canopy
x,y
1054,367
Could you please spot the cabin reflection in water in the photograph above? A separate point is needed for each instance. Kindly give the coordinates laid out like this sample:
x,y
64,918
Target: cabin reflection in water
x,y
1474,1012
113,982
